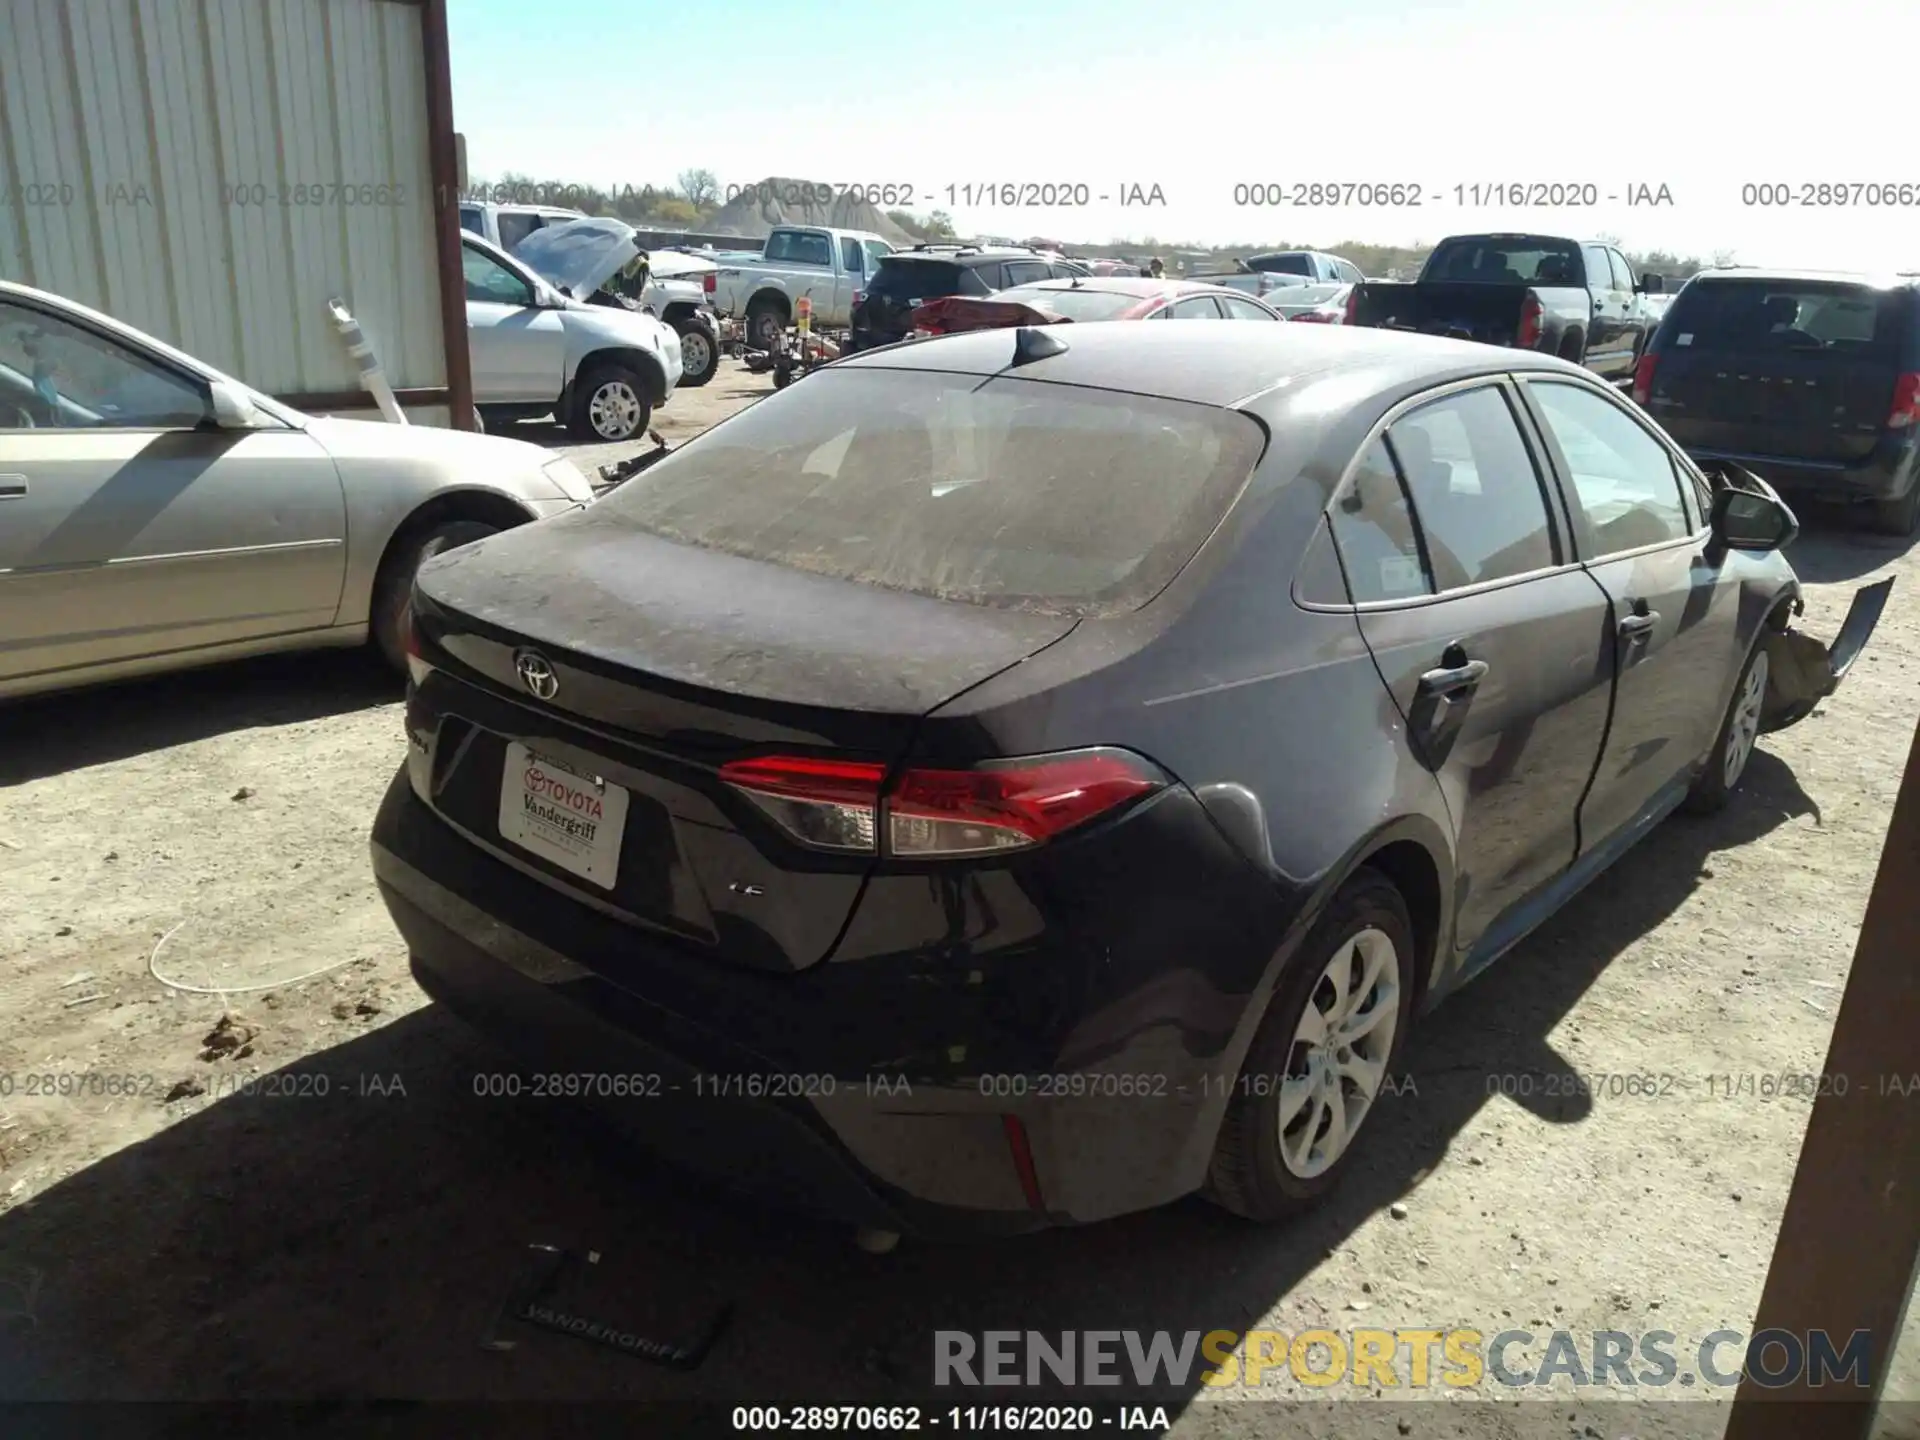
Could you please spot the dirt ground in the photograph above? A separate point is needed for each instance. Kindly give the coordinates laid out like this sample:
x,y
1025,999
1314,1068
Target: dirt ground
x,y
262,1185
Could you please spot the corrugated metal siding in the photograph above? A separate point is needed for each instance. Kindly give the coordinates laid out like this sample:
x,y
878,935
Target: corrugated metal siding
x,y
213,170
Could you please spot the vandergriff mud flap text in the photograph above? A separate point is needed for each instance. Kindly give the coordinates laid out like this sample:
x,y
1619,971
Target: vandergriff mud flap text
x,y
1802,672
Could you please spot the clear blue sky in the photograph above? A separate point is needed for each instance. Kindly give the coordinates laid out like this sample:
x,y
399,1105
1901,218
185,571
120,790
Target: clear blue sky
x,y
1700,96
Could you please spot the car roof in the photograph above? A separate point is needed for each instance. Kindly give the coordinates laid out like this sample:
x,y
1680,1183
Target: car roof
x,y
1143,287
1222,364
976,254
1880,281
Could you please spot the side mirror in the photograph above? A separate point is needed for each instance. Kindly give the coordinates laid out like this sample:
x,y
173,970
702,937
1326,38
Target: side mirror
x,y
232,410
1652,285
1746,520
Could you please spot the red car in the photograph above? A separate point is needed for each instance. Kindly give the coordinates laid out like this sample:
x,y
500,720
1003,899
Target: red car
x,y
1115,297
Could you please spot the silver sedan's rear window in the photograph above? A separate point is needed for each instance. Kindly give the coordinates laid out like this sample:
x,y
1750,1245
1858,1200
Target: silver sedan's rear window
x,y
1005,492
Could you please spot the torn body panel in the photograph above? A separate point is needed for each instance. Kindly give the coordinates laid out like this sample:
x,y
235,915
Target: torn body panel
x,y
1802,671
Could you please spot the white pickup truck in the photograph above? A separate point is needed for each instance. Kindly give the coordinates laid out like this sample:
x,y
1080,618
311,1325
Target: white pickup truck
x,y
829,267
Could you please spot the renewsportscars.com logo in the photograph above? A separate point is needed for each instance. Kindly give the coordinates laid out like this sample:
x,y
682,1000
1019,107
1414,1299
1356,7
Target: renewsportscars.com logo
x,y
1455,1359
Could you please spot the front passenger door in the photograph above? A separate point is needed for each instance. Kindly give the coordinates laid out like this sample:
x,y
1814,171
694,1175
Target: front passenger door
x,y
1604,334
1674,614
518,349
129,525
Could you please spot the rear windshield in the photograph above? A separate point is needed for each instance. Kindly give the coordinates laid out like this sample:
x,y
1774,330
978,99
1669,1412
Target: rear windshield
x,y
1009,493
1505,260
1086,303
1831,316
924,280
1282,264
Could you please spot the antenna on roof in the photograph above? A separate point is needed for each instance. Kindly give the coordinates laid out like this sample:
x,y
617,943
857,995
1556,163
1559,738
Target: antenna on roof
x,y
1030,344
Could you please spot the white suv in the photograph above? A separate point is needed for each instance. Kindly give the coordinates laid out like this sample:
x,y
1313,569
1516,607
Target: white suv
x,y
537,350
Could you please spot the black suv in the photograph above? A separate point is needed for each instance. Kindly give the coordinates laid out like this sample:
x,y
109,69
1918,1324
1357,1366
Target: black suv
x,y
1810,378
884,311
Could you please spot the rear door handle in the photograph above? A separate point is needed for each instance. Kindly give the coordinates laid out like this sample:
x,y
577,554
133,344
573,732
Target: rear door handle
x,y
1453,680
1634,627
12,487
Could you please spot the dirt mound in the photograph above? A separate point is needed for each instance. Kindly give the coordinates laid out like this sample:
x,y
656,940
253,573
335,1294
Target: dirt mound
x,y
755,209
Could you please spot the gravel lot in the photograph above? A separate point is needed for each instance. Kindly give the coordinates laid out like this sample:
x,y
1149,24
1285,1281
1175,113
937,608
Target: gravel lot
x,y
354,1242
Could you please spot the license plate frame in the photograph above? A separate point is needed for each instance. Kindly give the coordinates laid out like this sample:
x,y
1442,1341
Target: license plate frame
x,y
558,813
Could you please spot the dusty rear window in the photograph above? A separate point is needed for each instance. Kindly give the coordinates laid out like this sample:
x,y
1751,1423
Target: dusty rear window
x,y
1756,315
1008,492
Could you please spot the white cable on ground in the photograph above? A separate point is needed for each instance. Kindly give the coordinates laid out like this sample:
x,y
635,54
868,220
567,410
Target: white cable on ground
x,y
225,990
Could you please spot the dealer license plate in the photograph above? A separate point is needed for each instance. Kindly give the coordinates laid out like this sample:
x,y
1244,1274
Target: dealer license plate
x,y
573,820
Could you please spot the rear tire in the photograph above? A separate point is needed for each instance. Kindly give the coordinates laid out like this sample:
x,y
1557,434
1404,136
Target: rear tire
x,y
1270,1163
611,402
766,323
1739,736
697,344
1899,517
393,590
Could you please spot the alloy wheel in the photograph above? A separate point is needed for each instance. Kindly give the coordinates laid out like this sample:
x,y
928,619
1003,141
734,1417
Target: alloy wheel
x,y
614,410
1338,1060
1743,729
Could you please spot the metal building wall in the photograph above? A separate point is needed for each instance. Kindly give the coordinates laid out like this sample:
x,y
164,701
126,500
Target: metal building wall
x,y
213,170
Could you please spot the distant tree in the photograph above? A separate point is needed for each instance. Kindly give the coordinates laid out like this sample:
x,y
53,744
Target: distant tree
x,y
909,222
700,187
676,210
939,226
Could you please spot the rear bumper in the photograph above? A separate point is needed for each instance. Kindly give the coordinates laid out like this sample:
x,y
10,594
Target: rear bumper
x,y
875,1149
1888,474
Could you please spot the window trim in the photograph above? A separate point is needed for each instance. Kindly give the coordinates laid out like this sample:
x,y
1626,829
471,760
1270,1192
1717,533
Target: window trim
x,y
1524,424
1580,527
193,379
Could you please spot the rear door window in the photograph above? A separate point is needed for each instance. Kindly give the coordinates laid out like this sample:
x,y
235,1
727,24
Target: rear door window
x,y
1474,487
1239,309
1624,481
1622,271
1374,531
1025,272
1200,307
1009,492
1599,268
853,258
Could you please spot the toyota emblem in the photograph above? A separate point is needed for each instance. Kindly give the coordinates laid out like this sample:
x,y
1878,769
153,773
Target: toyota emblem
x,y
536,674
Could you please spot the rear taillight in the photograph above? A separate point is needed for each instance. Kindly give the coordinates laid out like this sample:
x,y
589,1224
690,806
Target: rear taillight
x,y
1906,402
1530,314
417,666
710,282
937,814
1353,305
1642,379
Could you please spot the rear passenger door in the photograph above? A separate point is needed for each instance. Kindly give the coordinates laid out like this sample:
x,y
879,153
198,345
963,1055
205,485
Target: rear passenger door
x,y
1673,614
1493,642
1025,272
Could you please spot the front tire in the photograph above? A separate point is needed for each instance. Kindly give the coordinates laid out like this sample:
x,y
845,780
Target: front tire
x,y
1321,1057
393,590
612,402
1739,734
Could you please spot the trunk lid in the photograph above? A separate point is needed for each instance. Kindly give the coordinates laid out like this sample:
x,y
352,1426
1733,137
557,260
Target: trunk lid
x,y
665,662
1794,370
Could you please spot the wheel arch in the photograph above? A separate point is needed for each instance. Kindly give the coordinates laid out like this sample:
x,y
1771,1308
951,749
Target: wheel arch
x,y
464,502
632,356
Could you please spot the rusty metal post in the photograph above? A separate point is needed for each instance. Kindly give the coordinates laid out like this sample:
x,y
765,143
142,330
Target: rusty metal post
x,y
1849,1244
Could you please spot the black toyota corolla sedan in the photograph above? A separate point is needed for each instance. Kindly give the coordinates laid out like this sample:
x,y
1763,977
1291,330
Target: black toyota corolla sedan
x,y
1032,775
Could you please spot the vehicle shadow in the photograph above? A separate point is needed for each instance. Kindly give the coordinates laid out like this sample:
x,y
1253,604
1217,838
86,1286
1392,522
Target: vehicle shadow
x,y
1832,548
51,734
358,1242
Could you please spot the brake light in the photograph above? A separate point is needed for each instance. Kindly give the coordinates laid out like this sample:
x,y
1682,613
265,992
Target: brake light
x,y
1530,314
936,814
1643,379
1353,305
1906,402
417,666
710,282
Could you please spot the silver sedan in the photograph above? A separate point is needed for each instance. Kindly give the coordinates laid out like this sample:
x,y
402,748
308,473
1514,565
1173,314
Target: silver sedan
x,y
156,514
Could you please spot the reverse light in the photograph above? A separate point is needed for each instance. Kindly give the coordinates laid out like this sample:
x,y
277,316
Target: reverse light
x,y
1906,402
1643,379
939,814
1530,315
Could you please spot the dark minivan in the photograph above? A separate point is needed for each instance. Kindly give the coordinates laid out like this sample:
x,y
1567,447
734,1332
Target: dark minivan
x,y
1811,379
